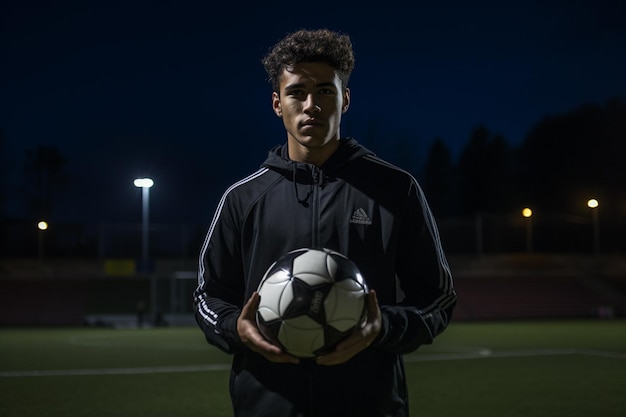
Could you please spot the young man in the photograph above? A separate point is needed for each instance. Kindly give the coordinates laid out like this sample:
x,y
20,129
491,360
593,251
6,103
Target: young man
x,y
322,190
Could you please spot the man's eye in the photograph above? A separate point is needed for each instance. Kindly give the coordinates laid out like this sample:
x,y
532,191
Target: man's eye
x,y
326,91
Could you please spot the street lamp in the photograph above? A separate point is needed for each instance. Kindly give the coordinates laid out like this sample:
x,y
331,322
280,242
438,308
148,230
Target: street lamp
x,y
42,226
144,184
593,205
527,213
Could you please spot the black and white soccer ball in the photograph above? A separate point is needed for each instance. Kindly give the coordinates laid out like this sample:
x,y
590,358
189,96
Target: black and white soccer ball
x,y
311,299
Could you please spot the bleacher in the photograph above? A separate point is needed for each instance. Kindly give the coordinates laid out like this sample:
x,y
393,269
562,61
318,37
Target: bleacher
x,y
531,297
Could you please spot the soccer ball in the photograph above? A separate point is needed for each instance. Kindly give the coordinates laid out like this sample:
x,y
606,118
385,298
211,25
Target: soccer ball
x,y
311,299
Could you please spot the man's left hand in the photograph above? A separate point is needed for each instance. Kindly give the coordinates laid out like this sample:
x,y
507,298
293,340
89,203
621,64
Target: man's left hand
x,y
360,339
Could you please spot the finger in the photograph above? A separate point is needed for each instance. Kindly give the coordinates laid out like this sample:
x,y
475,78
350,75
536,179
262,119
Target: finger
x,y
259,344
270,351
282,358
251,336
246,323
373,309
249,309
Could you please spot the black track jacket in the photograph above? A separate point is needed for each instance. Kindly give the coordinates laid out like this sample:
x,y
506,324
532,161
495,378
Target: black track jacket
x,y
356,204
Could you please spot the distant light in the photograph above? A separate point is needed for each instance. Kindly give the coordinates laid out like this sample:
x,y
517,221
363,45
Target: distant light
x,y
592,203
527,212
42,225
144,182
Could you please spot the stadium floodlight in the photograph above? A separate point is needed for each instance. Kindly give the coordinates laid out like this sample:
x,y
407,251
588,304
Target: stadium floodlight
x,y
145,184
593,204
527,212
42,225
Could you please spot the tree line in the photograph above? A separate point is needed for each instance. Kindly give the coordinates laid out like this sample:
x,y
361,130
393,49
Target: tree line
x,y
564,160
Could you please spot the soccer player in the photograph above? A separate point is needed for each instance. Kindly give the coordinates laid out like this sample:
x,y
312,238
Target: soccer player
x,y
320,189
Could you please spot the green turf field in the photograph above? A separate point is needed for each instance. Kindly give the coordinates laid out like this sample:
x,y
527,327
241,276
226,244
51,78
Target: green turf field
x,y
503,369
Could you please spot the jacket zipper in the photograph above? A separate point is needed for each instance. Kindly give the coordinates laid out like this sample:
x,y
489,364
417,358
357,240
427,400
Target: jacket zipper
x,y
315,233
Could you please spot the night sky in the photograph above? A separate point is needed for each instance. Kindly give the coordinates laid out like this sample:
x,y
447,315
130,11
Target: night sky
x,y
176,90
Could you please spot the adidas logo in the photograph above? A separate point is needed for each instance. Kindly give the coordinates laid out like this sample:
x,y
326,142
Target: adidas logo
x,y
360,217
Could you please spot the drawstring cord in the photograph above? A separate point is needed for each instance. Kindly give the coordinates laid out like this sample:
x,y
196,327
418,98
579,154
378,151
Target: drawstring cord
x,y
295,187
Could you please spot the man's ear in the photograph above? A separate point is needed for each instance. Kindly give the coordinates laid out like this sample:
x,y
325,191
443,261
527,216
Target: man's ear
x,y
346,100
276,104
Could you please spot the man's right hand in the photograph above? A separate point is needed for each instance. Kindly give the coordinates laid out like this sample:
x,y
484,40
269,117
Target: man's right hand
x,y
249,334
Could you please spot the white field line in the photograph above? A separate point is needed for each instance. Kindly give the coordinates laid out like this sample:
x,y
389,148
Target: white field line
x,y
477,354
118,371
486,353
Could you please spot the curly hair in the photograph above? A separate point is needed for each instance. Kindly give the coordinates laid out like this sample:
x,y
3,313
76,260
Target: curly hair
x,y
321,45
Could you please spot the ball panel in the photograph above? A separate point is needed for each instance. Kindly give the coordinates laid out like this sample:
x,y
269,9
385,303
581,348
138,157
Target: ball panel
x,y
331,264
313,280
332,337
271,292
278,276
299,324
345,304
302,335
270,329
267,313
343,325
306,300
350,286
286,299
311,262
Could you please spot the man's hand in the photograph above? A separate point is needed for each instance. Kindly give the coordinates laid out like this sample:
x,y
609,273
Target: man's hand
x,y
250,335
359,340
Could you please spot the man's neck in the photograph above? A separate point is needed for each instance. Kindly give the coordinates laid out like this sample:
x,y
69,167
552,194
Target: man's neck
x,y
311,155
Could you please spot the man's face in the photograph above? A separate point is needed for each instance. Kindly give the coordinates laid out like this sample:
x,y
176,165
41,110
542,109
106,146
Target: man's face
x,y
311,103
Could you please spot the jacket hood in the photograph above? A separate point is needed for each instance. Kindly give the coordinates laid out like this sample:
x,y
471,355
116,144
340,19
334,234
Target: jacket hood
x,y
349,149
